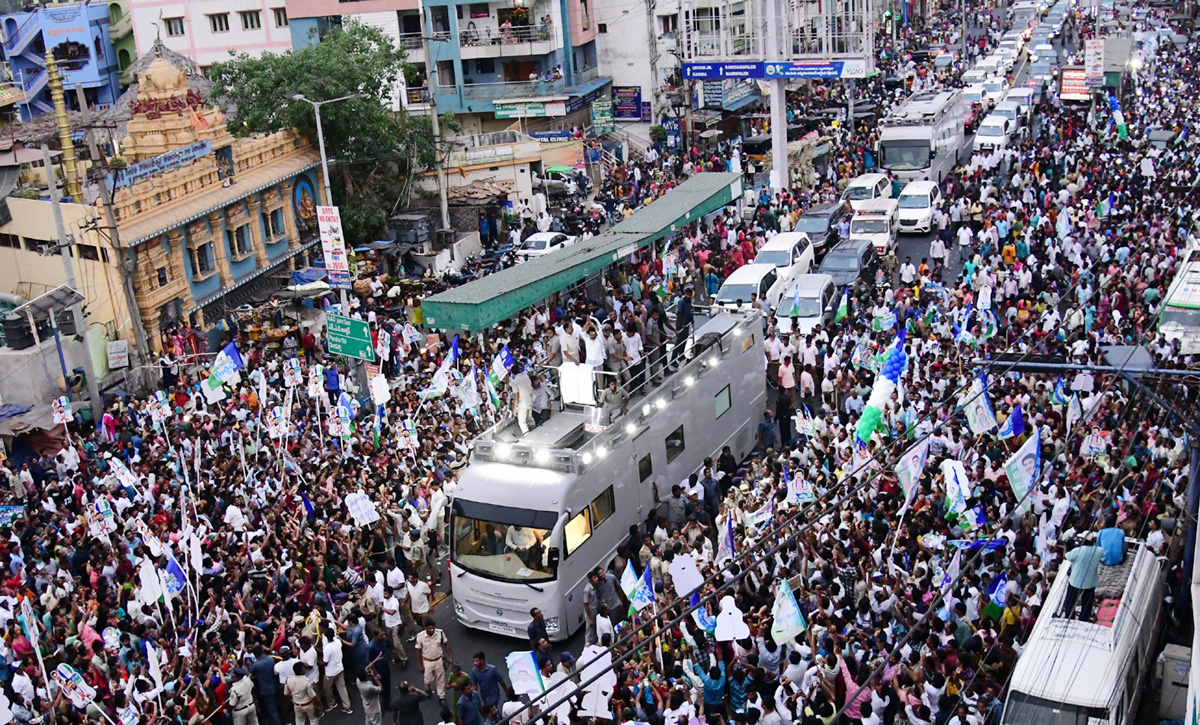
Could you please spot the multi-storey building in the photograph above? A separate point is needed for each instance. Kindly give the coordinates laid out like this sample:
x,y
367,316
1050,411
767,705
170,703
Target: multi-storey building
x,y
207,30
78,37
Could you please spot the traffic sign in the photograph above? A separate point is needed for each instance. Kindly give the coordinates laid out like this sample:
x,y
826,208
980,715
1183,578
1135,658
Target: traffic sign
x,y
350,337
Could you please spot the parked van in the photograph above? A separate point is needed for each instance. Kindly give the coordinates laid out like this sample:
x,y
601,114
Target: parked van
x,y
790,252
1011,110
810,299
762,280
866,187
916,204
1023,97
876,221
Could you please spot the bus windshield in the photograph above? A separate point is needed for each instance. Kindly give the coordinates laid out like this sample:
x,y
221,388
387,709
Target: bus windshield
x,y
502,542
1025,709
731,293
905,155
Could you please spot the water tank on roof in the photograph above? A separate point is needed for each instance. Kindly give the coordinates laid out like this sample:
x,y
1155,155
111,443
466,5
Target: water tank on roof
x,y
17,334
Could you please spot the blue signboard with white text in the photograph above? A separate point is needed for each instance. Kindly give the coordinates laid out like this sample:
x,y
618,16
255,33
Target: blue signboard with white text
x,y
851,68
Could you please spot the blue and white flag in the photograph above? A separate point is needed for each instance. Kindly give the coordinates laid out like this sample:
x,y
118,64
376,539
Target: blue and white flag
x,y
227,362
1059,395
629,580
501,364
441,377
726,546
951,572
174,580
643,596
1014,426
996,589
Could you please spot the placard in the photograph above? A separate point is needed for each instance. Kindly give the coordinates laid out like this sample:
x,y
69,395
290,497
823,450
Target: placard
x,y
333,245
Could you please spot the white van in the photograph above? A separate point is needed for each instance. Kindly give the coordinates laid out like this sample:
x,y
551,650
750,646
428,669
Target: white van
x,y
1011,110
994,132
866,187
975,75
916,204
790,252
762,280
876,222
1023,97
811,299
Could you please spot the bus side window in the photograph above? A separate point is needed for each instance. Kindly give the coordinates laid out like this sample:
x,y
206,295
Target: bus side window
x,y
577,531
602,507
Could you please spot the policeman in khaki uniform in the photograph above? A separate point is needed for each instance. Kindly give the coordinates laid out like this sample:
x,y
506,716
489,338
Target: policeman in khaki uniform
x,y
304,696
241,698
432,647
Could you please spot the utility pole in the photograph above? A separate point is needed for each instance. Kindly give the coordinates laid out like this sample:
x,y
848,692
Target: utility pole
x,y
64,248
434,122
140,344
775,27
652,35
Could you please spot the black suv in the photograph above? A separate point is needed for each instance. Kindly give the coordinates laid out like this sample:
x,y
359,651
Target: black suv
x,y
850,260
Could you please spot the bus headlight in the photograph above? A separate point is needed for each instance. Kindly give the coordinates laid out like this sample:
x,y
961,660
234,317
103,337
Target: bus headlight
x,y
552,625
459,608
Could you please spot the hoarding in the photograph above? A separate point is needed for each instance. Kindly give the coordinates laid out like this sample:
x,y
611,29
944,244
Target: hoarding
x,y
333,245
627,103
1074,85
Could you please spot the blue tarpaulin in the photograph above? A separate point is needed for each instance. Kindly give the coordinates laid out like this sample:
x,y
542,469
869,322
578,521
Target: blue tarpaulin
x,y
308,276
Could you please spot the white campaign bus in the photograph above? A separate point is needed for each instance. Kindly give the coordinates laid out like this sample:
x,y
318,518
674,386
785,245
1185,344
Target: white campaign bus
x,y
1180,318
922,137
535,512
1092,673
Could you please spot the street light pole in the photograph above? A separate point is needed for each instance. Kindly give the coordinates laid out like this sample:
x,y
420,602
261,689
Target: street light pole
x,y
345,304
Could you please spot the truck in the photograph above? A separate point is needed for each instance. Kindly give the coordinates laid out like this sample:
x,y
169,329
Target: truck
x,y
922,137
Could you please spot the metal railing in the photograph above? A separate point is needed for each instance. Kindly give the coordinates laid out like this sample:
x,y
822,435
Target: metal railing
x,y
518,89
413,41
12,42
472,37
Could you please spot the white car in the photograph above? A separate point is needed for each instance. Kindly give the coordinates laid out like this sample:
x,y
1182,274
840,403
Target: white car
x,y
995,89
976,76
790,252
917,200
543,243
1043,50
995,132
760,280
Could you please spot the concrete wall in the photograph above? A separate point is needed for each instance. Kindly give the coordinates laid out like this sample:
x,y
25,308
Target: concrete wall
x,y
623,49
34,375
100,283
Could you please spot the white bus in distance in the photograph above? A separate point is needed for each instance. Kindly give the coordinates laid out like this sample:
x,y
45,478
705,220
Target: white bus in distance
x,y
922,138
535,513
1092,673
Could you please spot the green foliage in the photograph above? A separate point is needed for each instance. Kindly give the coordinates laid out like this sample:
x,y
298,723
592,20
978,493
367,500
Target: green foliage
x,y
658,135
372,151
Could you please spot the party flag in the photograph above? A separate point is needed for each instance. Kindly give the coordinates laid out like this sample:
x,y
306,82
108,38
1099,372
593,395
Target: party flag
x,y
1059,394
643,595
1014,426
843,307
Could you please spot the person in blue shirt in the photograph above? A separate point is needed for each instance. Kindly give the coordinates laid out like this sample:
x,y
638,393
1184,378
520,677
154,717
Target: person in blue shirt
x,y
1112,541
1082,579
487,679
714,686
263,672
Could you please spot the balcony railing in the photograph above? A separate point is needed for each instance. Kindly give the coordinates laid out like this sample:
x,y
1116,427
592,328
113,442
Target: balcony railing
x,y
471,37
410,41
519,89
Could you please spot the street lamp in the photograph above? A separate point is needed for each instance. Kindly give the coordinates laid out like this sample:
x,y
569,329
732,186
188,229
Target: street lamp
x,y
324,162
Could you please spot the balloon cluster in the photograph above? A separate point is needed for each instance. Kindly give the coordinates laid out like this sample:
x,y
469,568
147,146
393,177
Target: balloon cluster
x,y
881,391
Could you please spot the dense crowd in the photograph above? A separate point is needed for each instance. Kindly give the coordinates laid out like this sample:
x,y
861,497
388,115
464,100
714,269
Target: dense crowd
x,y
198,556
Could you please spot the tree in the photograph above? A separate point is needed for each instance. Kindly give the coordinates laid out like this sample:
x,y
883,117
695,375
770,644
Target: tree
x,y
372,150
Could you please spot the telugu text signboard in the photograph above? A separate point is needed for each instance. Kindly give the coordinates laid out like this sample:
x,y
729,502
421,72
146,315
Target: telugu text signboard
x,y
1074,85
603,120
333,245
1093,62
350,337
627,103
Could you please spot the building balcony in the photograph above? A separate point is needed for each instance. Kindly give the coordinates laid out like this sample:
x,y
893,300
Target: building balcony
x,y
507,42
16,40
120,27
520,89
411,41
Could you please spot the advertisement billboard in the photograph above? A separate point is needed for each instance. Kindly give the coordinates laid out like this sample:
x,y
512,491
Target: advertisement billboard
x,y
627,103
1093,62
850,68
333,244
1074,85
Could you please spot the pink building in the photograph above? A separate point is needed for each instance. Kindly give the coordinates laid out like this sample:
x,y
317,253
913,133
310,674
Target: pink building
x,y
206,30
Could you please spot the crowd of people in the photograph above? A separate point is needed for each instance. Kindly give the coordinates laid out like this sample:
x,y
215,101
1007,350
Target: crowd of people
x,y
230,557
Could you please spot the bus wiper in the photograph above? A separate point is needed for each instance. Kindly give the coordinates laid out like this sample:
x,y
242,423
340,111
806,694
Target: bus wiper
x,y
539,590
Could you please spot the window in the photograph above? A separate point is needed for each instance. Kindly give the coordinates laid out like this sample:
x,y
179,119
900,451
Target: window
x,y
579,529
175,27
162,277
219,23
251,19
748,344
645,468
281,18
721,401
273,224
11,241
602,28
240,241
42,246
602,507
480,10
202,260
675,444
485,66
88,251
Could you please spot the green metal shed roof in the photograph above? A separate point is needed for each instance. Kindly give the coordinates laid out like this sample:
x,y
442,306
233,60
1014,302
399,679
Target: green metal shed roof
x,y
480,304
